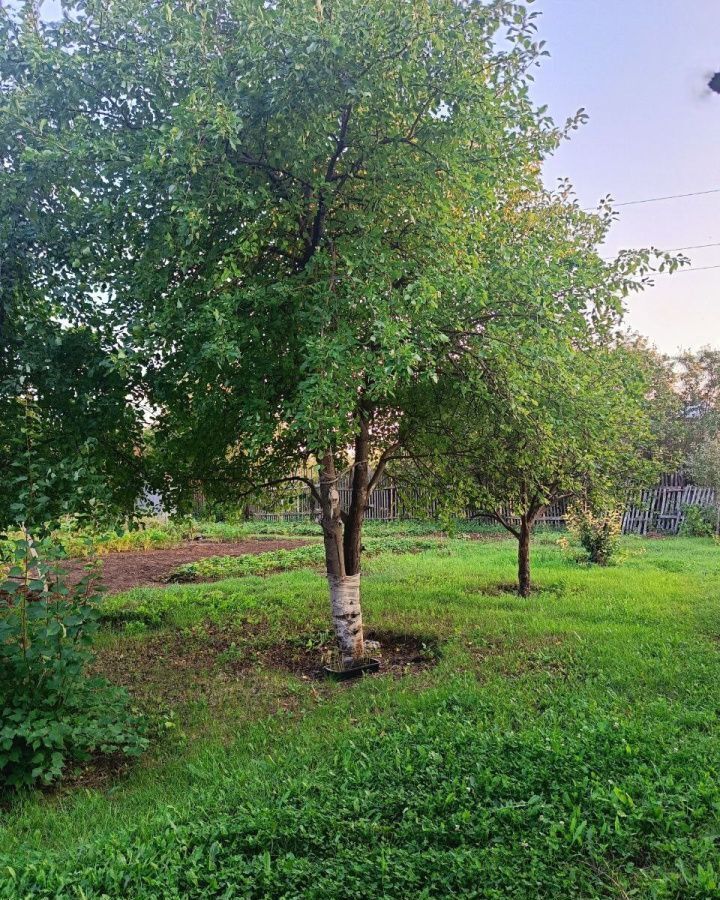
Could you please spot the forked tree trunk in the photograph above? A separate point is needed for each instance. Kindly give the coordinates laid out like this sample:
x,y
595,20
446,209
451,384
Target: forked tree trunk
x,y
343,579
523,535
524,583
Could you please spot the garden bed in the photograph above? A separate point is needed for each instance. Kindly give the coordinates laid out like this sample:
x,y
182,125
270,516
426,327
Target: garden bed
x,y
152,568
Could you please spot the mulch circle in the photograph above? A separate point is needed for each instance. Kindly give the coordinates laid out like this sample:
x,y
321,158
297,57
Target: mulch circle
x,y
399,654
174,667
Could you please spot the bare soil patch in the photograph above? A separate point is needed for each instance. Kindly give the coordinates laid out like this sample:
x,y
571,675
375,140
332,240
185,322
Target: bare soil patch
x,y
173,668
399,654
152,568
486,537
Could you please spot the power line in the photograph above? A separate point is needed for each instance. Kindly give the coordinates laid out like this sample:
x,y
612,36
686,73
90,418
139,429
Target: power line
x,y
659,199
692,269
693,247
677,250
669,197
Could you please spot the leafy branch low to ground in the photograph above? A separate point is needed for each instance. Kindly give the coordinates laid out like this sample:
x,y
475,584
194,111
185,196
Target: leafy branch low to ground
x,y
52,715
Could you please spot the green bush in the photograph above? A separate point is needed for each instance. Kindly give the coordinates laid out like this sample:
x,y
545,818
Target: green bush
x,y
52,713
598,532
698,521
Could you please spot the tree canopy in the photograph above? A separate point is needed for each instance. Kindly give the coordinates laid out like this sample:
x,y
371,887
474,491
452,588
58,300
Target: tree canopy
x,y
535,428
291,216
69,432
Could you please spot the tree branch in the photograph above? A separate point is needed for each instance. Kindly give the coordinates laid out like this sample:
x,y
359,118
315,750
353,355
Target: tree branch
x,y
278,481
385,458
318,224
505,524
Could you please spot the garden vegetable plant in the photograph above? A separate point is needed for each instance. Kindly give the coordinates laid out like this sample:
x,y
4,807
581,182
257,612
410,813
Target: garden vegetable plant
x,y
51,713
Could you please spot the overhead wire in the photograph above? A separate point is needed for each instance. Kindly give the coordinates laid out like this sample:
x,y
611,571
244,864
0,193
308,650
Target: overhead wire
x,y
693,247
689,246
692,269
668,197
660,199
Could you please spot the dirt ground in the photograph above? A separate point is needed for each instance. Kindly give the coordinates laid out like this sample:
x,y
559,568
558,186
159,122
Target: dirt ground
x,y
173,668
151,568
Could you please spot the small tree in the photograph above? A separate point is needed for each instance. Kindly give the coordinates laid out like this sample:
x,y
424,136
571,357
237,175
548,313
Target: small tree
x,y
538,426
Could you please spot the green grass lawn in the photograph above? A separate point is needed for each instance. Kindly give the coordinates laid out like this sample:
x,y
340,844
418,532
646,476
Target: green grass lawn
x,y
566,745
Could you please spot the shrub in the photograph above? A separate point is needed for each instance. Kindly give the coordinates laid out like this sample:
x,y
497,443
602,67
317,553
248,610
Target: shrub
x,y
698,521
51,711
598,532
149,535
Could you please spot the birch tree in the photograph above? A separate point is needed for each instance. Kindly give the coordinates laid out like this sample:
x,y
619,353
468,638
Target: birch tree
x,y
295,213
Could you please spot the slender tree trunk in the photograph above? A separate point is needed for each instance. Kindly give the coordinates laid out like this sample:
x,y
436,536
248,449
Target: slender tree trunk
x,y
526,524
352,538
344,586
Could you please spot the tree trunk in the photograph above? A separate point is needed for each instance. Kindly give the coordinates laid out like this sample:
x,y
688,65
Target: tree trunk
x,y
526,524
352,538
344,586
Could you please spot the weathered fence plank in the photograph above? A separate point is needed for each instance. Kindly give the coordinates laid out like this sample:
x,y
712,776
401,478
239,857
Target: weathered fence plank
x,y
659,509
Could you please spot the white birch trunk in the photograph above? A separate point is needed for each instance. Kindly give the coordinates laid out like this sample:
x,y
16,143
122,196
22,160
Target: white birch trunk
x,y
347,615
33,570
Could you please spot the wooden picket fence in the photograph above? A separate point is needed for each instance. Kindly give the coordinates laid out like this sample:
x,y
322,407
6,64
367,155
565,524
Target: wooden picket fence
x,y
662,508
656,510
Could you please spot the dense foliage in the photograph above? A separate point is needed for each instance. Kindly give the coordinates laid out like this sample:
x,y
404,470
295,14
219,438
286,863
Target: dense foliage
x,y
687,410
598,531
699,521
65,397
68,438
543,425
51,713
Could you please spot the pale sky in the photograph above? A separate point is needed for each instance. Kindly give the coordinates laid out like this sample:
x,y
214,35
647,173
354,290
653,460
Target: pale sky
x,y
640,68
